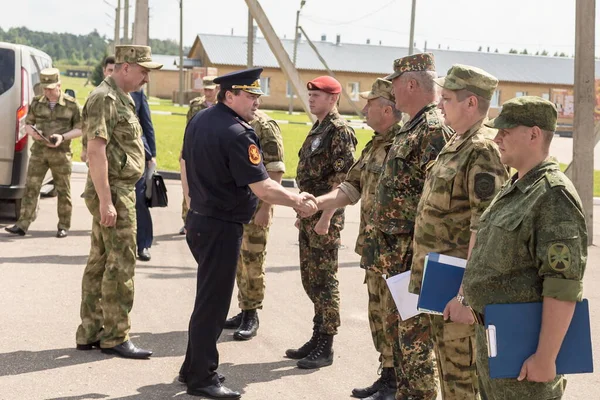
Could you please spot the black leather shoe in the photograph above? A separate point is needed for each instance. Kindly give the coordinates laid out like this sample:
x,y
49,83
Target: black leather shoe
x,y
181,378
182,230
61,233
15,230
233,322
128,350
88,346
144,255
248,327
216,391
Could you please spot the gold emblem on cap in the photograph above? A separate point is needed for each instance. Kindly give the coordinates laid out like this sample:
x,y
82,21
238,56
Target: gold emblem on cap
x,y
255,85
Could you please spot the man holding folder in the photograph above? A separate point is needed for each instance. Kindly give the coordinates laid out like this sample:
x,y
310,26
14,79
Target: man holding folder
x,y
459,187
531,246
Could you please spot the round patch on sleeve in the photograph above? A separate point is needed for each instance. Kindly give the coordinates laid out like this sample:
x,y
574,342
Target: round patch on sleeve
x,y
338,165
485,185
254,154
559,257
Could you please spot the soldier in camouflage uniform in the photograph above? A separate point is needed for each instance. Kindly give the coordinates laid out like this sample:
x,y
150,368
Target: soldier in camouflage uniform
x,y
116,163
361,184
324,159
459,186
388,242
250,275
531,246
58,118
196,104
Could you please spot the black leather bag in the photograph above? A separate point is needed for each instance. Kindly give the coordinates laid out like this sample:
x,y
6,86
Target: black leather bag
x,y
159,192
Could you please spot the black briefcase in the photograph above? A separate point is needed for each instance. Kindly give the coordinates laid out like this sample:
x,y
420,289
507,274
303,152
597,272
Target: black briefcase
x,y
159,192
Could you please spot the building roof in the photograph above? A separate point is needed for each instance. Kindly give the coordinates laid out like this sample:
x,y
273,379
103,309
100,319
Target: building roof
x,y
377,59
171,63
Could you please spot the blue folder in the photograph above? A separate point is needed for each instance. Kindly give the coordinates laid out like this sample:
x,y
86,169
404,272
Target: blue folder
x,y
442,277
513,332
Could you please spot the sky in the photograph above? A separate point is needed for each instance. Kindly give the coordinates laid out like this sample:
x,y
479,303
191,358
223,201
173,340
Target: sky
x,y
534,25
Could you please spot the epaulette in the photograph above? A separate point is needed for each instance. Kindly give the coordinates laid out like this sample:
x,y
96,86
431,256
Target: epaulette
x,y
555,179
69,98
243,123
338,123
111,95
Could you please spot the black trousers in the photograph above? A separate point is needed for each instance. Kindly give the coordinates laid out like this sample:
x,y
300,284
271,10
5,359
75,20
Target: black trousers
x,y
215,244
144,219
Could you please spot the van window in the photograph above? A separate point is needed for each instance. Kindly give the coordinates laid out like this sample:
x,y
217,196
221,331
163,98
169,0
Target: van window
x,y
7,69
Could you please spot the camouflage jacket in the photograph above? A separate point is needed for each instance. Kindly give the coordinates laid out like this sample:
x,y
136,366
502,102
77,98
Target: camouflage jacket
x,y
361,181
388,246
196,104
109,114
324,159
460,185
531,242
65,116
271,143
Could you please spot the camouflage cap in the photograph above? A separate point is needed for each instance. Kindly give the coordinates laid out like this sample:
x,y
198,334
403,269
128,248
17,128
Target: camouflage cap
x,y
207,82
526,111
473,79
49,78
141,55
381,88
415,62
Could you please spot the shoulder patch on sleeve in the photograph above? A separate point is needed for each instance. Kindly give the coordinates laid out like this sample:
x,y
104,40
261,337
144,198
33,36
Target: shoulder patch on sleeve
x,y
559,256
254,154
485,185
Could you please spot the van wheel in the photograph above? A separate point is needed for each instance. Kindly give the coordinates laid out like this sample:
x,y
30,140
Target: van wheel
x,y
18,204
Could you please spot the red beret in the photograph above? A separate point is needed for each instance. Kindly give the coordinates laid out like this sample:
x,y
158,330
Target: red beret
x,y
326,84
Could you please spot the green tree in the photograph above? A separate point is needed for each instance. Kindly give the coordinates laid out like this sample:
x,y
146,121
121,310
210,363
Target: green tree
x,y
97,73
513,51
524,51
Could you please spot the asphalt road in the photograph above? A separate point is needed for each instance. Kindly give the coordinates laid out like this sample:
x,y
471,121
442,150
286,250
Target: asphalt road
x,y
40,278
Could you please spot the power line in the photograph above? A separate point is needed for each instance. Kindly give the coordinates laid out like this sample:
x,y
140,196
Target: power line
x,y
334,23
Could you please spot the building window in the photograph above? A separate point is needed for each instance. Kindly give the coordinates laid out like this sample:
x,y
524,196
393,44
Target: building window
x,y
546,96
520,94
265,85
495,101
353,90
289,90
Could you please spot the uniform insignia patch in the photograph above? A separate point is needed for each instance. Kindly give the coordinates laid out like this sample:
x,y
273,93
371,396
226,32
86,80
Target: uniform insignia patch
x,y
315,144
338,165
559,257
485,185
254,154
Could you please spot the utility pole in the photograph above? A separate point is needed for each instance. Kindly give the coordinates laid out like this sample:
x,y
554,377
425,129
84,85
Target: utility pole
x,y
583,123
181,53
126,23
250,59
411,45
140,27
332,74
283,59
294,55
118,24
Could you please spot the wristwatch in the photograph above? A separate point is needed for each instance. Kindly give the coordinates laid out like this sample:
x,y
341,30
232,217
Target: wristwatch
x,y
461,299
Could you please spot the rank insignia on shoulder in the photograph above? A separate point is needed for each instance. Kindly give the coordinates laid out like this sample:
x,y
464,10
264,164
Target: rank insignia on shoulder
x,y
338,165
254,154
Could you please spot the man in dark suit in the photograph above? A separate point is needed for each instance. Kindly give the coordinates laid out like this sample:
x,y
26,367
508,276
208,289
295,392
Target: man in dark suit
x,y
144,219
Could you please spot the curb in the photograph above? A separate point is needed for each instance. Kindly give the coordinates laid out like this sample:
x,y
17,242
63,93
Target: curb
x,y
80,167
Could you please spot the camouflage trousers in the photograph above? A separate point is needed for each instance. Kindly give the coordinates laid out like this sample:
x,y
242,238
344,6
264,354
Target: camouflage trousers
x,y
59,163
511,389
250,275
318,270
379,300
412,349
455,354
107,285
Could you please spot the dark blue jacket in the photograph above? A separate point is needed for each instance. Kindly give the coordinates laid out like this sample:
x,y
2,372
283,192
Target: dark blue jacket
x,y
143,112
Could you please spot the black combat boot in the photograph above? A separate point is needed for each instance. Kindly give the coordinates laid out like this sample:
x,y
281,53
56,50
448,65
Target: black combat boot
x,y
387,392
298,354
248,327
387,376
233,322
321,356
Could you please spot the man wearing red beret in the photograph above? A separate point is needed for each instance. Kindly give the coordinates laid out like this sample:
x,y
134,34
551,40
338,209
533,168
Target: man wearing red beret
x,y
324,159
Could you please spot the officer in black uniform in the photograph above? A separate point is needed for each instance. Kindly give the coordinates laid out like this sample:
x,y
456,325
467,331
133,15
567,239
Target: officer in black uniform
x,y
225,174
